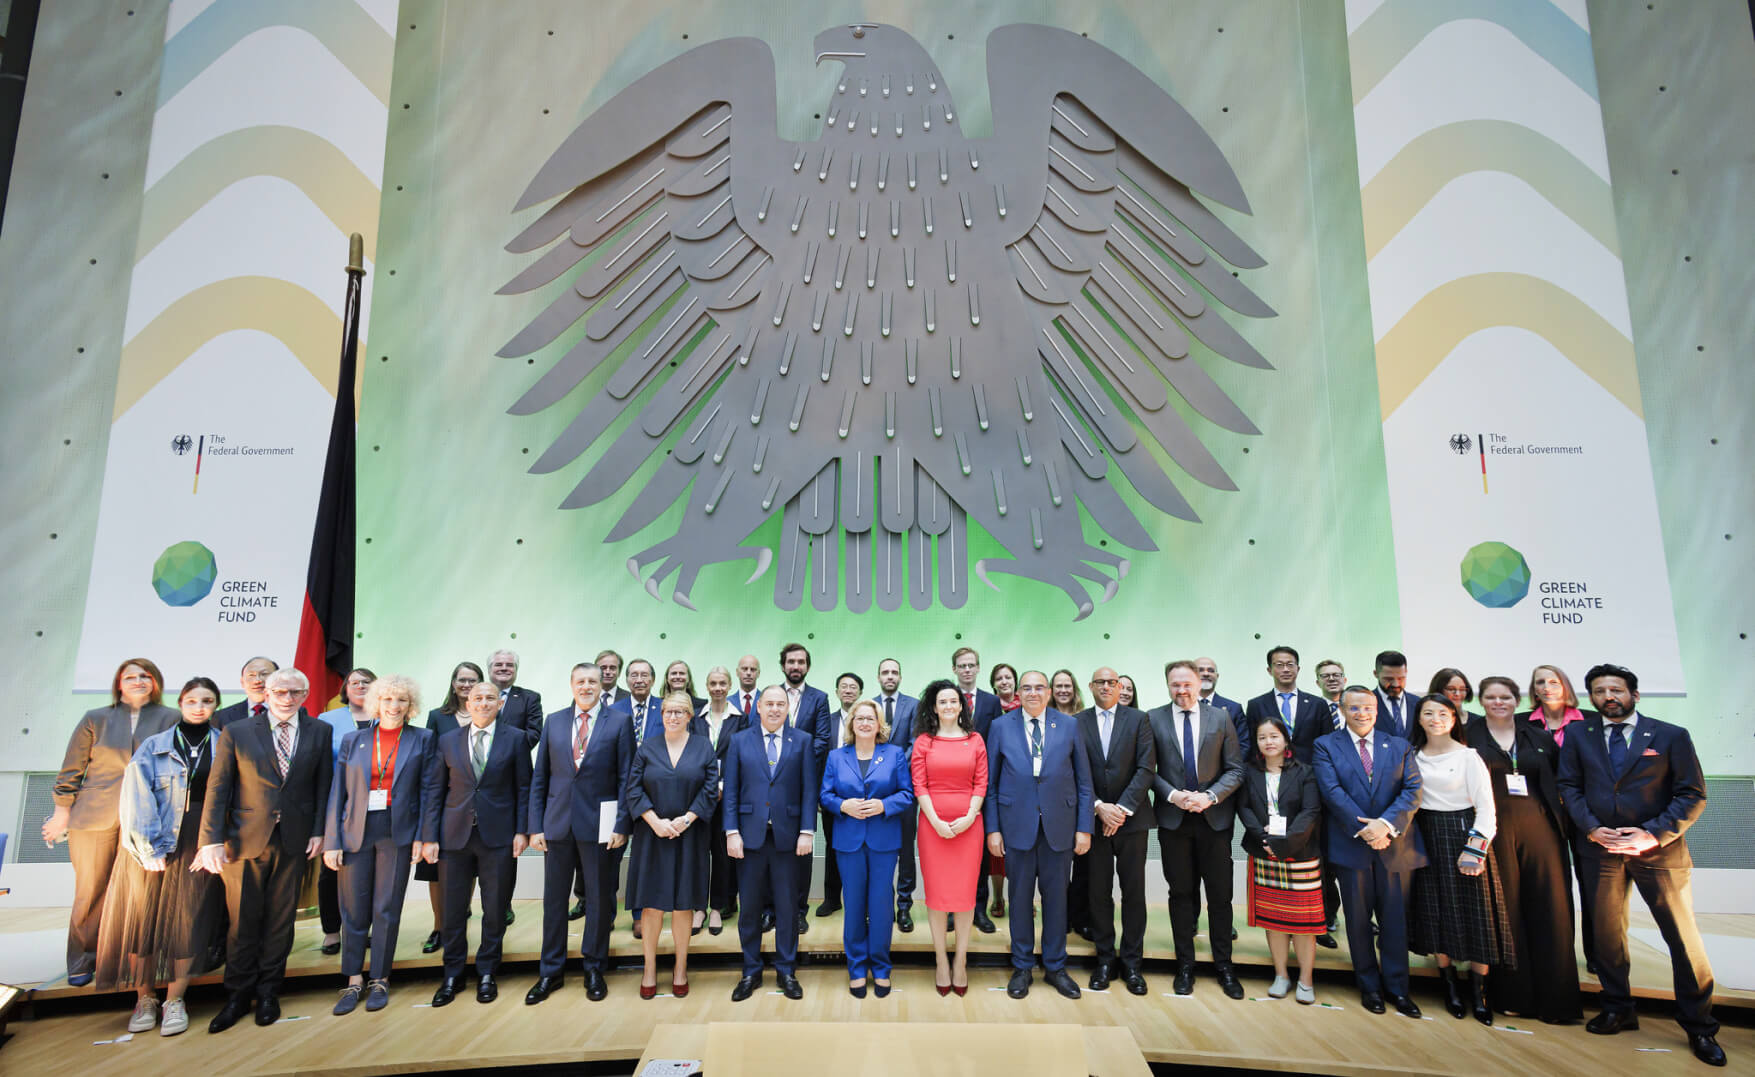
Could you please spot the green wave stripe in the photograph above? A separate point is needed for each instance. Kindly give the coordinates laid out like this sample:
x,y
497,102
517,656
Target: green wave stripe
x,y
342,27
1385,38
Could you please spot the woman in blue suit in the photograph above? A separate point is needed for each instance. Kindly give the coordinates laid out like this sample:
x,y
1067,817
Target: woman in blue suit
x,y
868,785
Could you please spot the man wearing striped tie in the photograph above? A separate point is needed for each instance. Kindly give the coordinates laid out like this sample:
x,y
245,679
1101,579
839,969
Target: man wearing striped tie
x,y
266,791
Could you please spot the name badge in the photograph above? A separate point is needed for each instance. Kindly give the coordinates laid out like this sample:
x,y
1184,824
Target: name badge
x,y
1517,785
1276,826
1036,766
377,800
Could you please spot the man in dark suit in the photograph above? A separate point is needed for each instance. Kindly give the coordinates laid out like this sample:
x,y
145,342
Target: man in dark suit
x,y
1370,786
267,794
808,712
582,765
1199,767
1633,785
984,708
1038,813
1397,708
771,788
253,679
1124,759
520,707
898,711
641,705
1332,676
1307,716
609,664
1208,669
749,689
482,828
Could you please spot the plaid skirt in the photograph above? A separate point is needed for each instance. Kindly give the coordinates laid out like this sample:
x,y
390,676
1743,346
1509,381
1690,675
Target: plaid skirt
x,y
1286,895
1462,917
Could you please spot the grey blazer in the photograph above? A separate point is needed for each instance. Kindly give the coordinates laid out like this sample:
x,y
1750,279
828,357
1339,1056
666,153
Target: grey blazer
x,y
1217,758
90,782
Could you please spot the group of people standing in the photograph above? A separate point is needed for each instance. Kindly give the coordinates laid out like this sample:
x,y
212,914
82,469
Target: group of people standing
x,y
1434,830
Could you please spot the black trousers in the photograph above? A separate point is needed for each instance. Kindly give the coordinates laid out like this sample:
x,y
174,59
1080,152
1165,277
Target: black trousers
x,y
568,860
1078,892
1587,917
722,870
1194,856
1667,894
371,885
459,870
1121,857
905,870
831,865
328,900
261,899
768,879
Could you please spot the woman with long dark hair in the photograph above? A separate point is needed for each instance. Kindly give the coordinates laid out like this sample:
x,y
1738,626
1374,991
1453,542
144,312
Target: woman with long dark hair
x,y
949,765
1281,812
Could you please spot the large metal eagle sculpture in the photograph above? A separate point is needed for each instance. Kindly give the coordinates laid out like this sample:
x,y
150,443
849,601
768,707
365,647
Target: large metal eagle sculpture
x,y
893,330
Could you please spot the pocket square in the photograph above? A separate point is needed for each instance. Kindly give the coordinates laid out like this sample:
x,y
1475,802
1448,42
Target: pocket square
x,y
1649,751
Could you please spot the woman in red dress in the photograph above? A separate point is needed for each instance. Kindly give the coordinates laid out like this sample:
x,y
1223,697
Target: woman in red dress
x,y
950,781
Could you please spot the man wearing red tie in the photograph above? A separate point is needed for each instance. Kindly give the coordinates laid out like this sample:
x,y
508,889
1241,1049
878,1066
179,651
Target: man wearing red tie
x,y
253,679
749,671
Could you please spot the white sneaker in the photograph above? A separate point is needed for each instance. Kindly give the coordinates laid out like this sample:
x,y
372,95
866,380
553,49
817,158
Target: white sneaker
x,y
176,1018
145,1015
1306,995
1281,987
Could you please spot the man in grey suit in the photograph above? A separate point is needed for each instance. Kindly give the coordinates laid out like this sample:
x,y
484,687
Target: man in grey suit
x,y
1124,758
1199,767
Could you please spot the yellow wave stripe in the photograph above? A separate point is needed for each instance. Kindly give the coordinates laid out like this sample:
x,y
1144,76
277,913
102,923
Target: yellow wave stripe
x,y
1420,170
334,184
1445,316
285,311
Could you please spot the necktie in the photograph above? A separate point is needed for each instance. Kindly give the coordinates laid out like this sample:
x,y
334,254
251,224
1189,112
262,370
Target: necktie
x,y
1364,756
1334,712
1105,723
1395,713
639,723
579,738
478,754
773,751
256,711
746,704
1190,773
282,745
792,697
890,714
1286,707
1036,737
1618,748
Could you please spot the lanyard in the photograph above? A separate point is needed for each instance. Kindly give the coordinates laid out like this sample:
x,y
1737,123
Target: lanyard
x,y
194,756
381,766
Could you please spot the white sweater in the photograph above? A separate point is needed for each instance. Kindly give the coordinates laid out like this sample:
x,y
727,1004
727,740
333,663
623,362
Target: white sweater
x,y
1457,780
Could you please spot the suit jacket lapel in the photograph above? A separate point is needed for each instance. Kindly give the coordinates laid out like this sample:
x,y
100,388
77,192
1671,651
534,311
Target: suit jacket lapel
x,y
263,731
1379,758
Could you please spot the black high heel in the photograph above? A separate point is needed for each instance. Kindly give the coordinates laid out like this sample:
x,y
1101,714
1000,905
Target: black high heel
x,y
856,992
1478,988
1453,1000
880,990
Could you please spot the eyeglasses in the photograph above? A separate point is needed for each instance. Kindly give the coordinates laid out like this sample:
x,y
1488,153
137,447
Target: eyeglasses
x,y
287,693
1033,689
1104,682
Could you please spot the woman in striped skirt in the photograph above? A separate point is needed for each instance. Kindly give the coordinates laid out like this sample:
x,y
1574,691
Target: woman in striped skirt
x,y
1459,905
1281,813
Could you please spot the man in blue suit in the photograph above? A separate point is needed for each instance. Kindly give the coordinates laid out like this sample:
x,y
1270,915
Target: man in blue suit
x,y
1307,717
1633,785
771,789
1207,669
1370,788
1038,813
984,708
482,828
807,711
582,764
898,711
1397,708
645,718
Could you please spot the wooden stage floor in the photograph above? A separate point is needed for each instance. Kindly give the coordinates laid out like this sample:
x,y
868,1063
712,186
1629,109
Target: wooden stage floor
x,y
1202,1029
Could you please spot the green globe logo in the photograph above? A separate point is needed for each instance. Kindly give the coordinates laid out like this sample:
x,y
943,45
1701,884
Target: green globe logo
x,y
184,573
1495,575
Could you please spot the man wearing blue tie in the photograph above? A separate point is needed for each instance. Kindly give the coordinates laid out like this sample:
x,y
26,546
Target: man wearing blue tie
x,y
898,711
1396,707
1038,812
771,790
1370,786
645,718
1633,786
1305,715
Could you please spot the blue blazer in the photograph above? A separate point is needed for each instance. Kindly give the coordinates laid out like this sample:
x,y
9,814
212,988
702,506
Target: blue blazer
x,y
341,721
654,715
1311,721
523,708
816,718
1662,789
1410,713
414,790
564,801
499,804
1392,794
754,801
1059,803
902,731
889,781
987,710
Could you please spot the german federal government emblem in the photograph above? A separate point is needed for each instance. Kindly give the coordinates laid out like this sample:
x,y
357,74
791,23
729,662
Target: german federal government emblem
x,y
897,330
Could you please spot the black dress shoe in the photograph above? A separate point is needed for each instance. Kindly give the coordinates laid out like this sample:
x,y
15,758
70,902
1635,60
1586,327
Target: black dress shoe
x,y
1228,982
745,988
267,1010
904,921
1136,983
448,988
1706,1049
1062,981
803,923
1100,978
1591,967
983,923
229,1014
714,929
596,988
1019,986
486,990
510,916
789,985
1610,1022
1405,1006
431,946
637,934
828,908
1084,931
1184,984
1371,1000
545,986
767,922
577,912
1327,941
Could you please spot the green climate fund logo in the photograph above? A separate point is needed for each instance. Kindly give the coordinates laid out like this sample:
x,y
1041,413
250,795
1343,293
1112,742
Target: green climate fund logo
x,y
1495,575
184,573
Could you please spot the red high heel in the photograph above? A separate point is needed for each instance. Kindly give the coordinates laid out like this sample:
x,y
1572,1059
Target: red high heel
x,y
679,990
944,990
648,991
961,991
